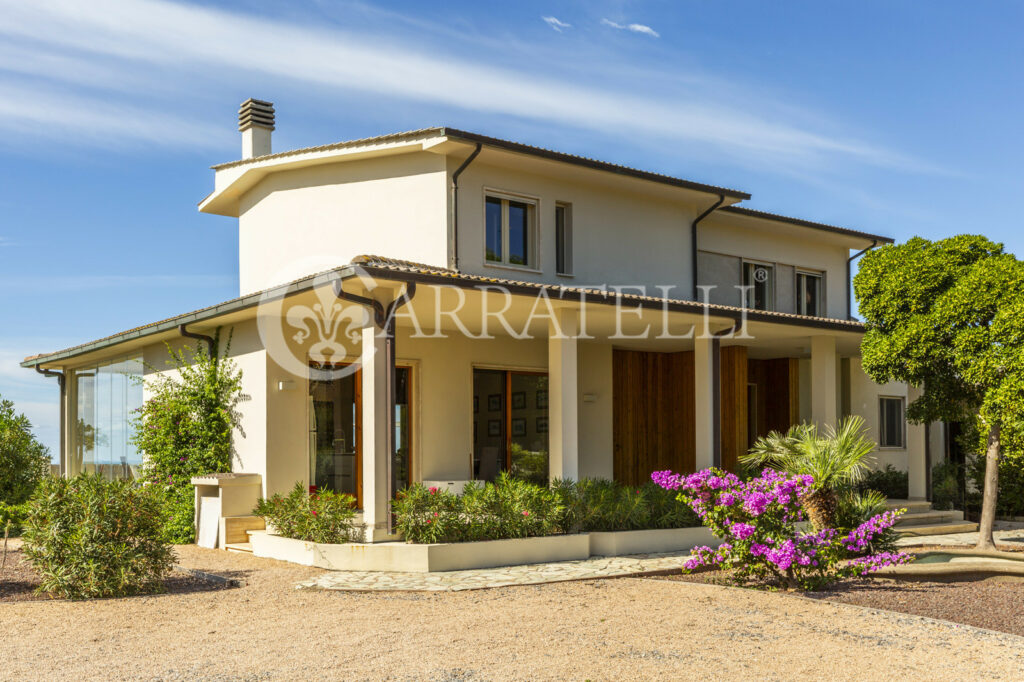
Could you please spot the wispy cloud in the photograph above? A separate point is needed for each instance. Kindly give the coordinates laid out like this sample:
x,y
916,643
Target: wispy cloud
x,y
4,241
554,23
206,49
635,28
78,283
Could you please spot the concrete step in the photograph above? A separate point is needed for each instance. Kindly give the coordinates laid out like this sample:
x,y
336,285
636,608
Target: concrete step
x,y
912,506
244,547
939,529
929,518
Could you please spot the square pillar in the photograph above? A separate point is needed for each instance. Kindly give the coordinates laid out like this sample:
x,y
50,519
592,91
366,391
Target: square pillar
x,y
374,383
824,381
917,461
706,401
563,411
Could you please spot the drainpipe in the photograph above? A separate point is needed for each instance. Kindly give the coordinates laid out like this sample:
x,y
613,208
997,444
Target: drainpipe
x,y
849,278
61,382
211,343
384,318
455,207
693,240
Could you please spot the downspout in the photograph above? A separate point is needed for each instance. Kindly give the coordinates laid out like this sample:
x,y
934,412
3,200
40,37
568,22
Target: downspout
x,y
455,208
61,382
211,343
693,241
384,318
849,278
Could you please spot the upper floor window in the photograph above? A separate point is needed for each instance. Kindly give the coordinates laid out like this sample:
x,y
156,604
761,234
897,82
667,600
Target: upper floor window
x,y
808,294
563,239
891,423
510,232
759,285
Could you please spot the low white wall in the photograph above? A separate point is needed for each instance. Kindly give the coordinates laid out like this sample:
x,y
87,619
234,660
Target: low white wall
x,y
625,542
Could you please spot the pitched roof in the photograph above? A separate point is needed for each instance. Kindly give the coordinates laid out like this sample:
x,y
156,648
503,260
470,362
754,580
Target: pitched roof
x,y
507,145
402,270
742,210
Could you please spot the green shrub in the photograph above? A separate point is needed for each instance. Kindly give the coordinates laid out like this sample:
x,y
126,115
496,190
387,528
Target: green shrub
x,y
89,537
323,516
946,486
511,508
12,517
889,481
185,430
24,461
855,508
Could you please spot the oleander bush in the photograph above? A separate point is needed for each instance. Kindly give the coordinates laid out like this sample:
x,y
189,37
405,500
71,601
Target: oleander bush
x,y
946,477
89,537
513,508
24,462
12,516
757,523
321,516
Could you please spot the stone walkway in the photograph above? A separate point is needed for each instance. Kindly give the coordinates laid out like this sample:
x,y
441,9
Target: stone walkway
x,y
587,569
1014,536
531,574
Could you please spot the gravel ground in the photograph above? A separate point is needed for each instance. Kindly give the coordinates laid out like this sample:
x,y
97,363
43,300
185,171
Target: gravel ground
x,y
623,629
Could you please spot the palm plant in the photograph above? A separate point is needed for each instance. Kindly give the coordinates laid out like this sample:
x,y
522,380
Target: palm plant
x,y
837,458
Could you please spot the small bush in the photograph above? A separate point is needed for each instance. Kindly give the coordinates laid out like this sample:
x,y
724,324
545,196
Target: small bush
x,y
89,537
323,516
889,481
604,505
855,509
12,516
946,486
24,461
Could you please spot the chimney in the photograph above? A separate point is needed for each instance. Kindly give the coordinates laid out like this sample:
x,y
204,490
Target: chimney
x,y
255,122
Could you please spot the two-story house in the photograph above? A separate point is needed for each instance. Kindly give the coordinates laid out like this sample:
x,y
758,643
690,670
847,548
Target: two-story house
x,y
439,305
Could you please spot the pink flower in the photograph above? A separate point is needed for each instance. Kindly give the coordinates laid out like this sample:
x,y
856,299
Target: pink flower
x,y
313,512
526,513
432,489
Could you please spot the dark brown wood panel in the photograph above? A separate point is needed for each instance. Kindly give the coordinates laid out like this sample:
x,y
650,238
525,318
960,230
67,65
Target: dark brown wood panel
x,y
733,373
653,414
778,393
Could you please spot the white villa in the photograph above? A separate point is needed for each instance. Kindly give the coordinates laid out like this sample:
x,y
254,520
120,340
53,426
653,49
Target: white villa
x,y
552,315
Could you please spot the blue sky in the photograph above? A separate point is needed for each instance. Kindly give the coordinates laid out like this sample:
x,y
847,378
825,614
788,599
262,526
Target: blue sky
x,y
896,117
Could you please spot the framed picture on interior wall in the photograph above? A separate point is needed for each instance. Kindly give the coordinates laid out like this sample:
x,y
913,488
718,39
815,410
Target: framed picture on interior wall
x,y
519,427
494,427
494,402
519,400
542,424
542,399
476,404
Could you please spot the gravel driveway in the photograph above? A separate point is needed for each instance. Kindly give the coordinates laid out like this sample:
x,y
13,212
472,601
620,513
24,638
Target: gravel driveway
x,y
622,629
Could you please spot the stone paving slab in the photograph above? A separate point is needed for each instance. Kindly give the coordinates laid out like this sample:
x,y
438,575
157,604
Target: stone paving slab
x,y
1013,536
484,578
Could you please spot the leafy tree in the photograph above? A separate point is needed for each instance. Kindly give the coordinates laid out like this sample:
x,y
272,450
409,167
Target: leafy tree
x,y
837,458
948,316
24,461
185,429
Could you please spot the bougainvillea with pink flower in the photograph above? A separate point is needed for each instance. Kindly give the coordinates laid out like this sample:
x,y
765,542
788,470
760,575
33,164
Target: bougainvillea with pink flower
x,y
757,521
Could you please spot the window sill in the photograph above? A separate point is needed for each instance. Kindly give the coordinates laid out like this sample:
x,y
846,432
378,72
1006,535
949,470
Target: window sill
x,y
565,274
514,268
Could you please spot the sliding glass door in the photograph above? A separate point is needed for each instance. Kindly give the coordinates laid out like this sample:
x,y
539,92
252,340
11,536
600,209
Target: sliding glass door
x,y
510,424
335,432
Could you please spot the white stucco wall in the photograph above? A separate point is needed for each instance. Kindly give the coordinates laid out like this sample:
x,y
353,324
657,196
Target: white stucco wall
x,y
621,235
864,396
393,206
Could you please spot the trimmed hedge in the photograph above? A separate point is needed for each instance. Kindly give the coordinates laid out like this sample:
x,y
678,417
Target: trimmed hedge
x,y
512,508
89,537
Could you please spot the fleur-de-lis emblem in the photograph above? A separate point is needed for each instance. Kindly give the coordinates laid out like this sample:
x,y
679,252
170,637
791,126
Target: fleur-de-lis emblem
x,y
327,319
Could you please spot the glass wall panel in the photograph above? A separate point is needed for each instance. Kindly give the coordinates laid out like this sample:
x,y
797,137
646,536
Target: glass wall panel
x,y
106,399
510,425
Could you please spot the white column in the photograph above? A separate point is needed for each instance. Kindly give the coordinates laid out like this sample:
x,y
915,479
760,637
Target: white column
x,y
563,438
704,399
824,381
374,437
916,461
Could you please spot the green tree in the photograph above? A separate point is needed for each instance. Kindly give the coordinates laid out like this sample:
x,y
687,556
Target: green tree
x,y
185,429
24,461
948,317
